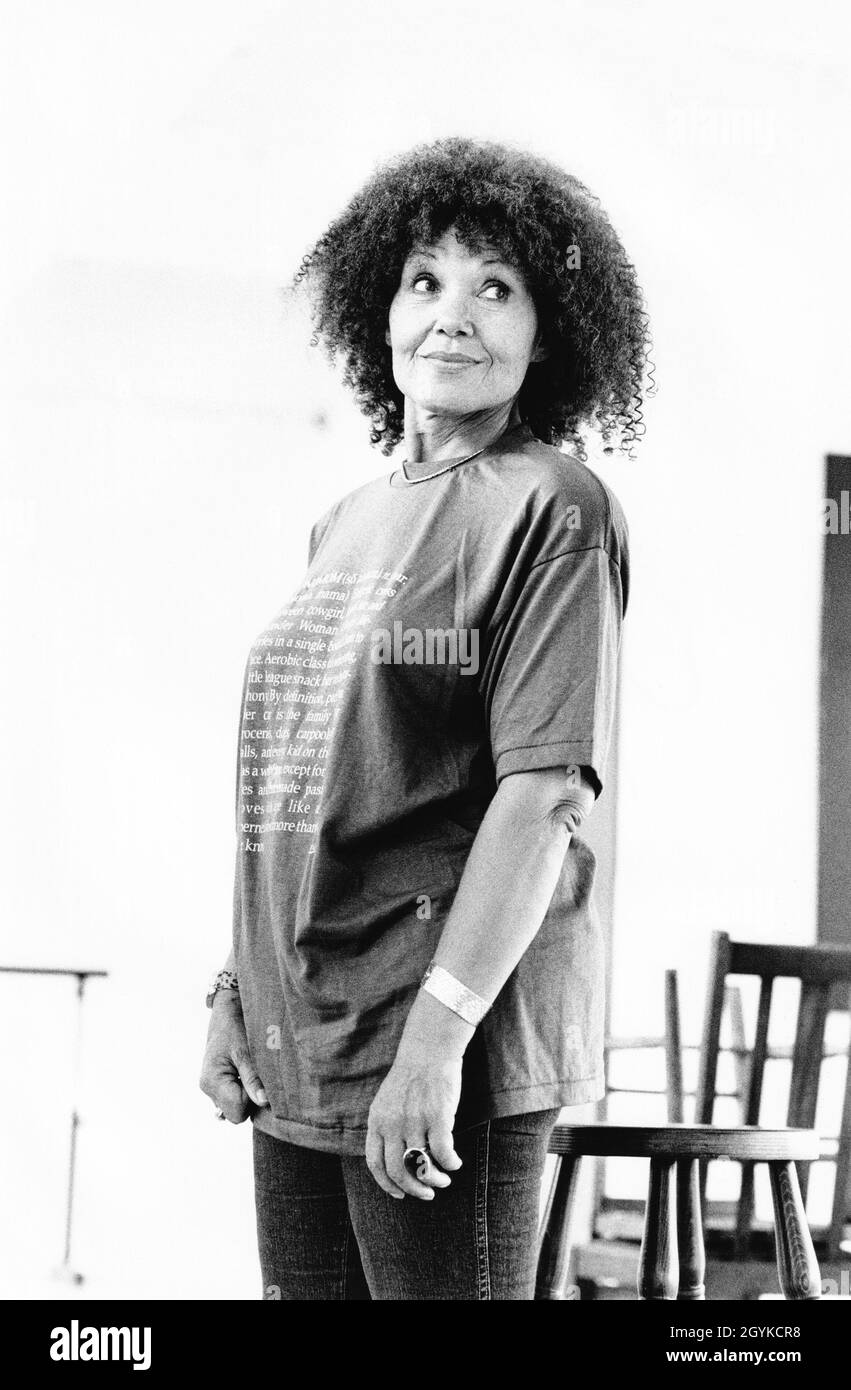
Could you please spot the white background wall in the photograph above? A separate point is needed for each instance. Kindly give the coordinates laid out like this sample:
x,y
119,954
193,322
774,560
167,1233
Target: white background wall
x,y
167,439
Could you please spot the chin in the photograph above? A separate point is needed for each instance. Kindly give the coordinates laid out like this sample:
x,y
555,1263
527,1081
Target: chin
x,y
450,402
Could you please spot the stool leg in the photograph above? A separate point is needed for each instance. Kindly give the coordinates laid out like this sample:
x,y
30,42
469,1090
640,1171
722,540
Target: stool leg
x,y
554,1250
658,1265
690,1231
796,1259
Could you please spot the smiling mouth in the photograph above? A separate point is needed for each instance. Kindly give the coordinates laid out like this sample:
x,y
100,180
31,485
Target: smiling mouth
x,y
450,360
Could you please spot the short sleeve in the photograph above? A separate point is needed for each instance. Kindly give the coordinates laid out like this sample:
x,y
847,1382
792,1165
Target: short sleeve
x,y
549,678
316,532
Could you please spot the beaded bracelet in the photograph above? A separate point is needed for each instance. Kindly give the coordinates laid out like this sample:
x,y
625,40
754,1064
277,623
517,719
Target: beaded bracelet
x,y
225,979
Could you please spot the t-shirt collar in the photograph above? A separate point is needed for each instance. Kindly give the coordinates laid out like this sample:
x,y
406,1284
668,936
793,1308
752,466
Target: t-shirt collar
x,y
424,467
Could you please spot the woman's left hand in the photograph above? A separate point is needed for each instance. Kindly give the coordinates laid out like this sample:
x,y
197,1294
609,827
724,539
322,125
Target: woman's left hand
x,y
414,1108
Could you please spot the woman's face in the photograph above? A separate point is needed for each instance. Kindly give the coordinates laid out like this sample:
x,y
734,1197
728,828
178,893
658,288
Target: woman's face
x,y
463,329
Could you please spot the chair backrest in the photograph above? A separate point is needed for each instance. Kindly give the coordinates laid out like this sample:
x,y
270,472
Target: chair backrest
x,y
821,970
614,1218
674,1047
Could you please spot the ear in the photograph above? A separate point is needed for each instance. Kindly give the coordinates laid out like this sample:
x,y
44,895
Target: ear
x,y
540,351
387,337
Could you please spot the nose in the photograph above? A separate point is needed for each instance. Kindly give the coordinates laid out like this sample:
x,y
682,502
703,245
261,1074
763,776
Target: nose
x,y
453,315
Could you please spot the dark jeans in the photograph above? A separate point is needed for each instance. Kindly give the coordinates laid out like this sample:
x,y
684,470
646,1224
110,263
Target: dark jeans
x,y
326,1230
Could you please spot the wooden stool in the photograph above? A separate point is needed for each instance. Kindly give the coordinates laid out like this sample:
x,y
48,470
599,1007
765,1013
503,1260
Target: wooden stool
x,y
672,1263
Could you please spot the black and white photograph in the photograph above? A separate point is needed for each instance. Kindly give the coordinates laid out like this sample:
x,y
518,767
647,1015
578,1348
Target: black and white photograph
x,y
426,534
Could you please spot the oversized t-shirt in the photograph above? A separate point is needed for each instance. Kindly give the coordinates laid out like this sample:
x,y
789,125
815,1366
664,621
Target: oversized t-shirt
x,y
447,633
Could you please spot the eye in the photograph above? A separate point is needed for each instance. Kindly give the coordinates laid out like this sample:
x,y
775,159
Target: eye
x,y
423,275
495,290
502,290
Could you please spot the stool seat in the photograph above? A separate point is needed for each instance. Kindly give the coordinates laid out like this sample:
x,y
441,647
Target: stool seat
x,y
672,1262
743,1142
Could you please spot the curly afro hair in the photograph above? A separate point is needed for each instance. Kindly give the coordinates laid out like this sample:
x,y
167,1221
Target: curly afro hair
x,y
590,307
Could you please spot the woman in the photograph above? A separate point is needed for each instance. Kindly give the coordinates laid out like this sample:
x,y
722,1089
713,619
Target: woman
x,y
417,964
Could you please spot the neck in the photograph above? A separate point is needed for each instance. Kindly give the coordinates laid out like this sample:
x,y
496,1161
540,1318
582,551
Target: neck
x,y
433,438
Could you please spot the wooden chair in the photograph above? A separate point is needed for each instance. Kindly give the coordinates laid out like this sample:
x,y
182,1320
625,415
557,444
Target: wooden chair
x,y
825,976
610,1259
614,1218
671,1262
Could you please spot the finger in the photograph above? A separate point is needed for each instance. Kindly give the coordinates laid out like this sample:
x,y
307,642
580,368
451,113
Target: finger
x,y
442,1148
394,1150
250,1079
375,1164
231,1098
218,1069
220,1082
420,1164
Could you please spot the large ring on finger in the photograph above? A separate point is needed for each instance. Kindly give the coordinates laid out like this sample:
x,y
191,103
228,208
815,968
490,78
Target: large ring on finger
x,y
420,1164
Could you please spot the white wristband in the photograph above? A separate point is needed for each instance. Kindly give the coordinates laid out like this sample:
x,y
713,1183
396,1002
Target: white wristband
x,y
457,997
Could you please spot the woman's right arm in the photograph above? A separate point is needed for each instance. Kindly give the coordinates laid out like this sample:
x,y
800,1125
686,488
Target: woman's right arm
x,y
228,1075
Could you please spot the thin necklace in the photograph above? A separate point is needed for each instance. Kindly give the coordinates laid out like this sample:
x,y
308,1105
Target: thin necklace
x,y
448,468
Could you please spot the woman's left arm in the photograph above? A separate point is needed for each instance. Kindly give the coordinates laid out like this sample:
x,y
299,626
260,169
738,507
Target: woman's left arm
x,y
507,885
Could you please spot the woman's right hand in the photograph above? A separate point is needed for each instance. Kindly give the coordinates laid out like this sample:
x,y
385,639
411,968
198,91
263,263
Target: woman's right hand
x,y
228,1075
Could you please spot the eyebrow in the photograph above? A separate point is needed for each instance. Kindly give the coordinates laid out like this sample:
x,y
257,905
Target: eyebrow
x,y
421,251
